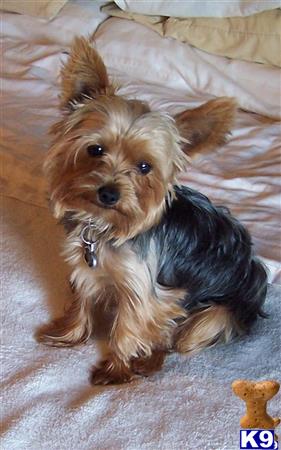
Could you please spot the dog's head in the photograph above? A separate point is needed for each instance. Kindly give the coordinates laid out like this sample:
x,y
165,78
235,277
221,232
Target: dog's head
x,y
115,160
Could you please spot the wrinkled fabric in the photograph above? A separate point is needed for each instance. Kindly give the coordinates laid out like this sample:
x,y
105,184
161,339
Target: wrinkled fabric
x,y
252,38
47,9
46,399
141,54
197,8
244,174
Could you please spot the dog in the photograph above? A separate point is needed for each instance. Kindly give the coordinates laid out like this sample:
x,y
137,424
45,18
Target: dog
x,y
156,267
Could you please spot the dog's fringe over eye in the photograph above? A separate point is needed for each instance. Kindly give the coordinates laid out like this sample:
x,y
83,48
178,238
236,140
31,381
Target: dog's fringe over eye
x,y
144,167
95,150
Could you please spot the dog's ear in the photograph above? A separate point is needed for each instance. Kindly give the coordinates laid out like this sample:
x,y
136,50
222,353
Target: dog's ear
x,y
84,73
206,127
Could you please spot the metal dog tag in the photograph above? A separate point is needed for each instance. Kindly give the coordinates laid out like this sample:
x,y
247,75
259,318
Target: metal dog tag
x,y
90,255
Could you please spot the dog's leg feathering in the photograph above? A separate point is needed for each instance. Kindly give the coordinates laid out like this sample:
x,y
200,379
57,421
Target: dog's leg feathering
x,y
144,321
75,327
205,328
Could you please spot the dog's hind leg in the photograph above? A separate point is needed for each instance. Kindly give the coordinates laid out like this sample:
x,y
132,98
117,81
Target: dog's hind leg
x,y
204,328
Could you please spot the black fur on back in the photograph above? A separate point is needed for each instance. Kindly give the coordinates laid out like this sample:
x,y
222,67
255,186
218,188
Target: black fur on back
x,y
205,250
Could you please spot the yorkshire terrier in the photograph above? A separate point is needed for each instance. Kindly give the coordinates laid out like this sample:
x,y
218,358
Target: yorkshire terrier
x,y
156,266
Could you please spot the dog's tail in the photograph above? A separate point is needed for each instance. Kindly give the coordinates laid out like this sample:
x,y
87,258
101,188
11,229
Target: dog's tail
x,y
221,319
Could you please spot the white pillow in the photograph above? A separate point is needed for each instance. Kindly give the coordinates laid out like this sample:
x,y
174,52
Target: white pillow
x,y
197,8
47,9
144,55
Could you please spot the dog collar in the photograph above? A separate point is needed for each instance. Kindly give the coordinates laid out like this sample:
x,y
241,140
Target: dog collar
x,y
90,246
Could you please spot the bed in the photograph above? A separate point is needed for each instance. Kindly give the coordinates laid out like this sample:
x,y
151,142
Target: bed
x,y
47,401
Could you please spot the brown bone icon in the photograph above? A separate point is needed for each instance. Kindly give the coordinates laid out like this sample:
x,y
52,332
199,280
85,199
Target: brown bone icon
x,y
256,396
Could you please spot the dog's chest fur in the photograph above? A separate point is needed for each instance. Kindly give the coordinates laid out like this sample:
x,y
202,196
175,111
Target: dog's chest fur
x,y
118,268
124,284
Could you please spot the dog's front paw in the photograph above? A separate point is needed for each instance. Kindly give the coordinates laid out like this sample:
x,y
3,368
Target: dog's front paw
x,y
110,373
146,366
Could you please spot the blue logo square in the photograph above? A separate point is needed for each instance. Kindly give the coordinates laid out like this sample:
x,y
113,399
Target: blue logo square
x,y
258,440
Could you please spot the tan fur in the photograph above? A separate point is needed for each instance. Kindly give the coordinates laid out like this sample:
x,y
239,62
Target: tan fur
x,y
112,371
74,180
75,327
142,318
84,69
147,365
206,127
203,329
141,315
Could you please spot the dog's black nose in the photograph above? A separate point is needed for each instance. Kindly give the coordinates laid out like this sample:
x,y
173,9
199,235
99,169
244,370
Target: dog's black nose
x,y
108,195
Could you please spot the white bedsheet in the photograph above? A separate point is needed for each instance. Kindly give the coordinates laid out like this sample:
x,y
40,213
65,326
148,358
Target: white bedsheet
x,y
47,402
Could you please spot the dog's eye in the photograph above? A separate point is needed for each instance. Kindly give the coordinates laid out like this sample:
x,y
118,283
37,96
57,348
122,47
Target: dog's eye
x,y
144,167
95,150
